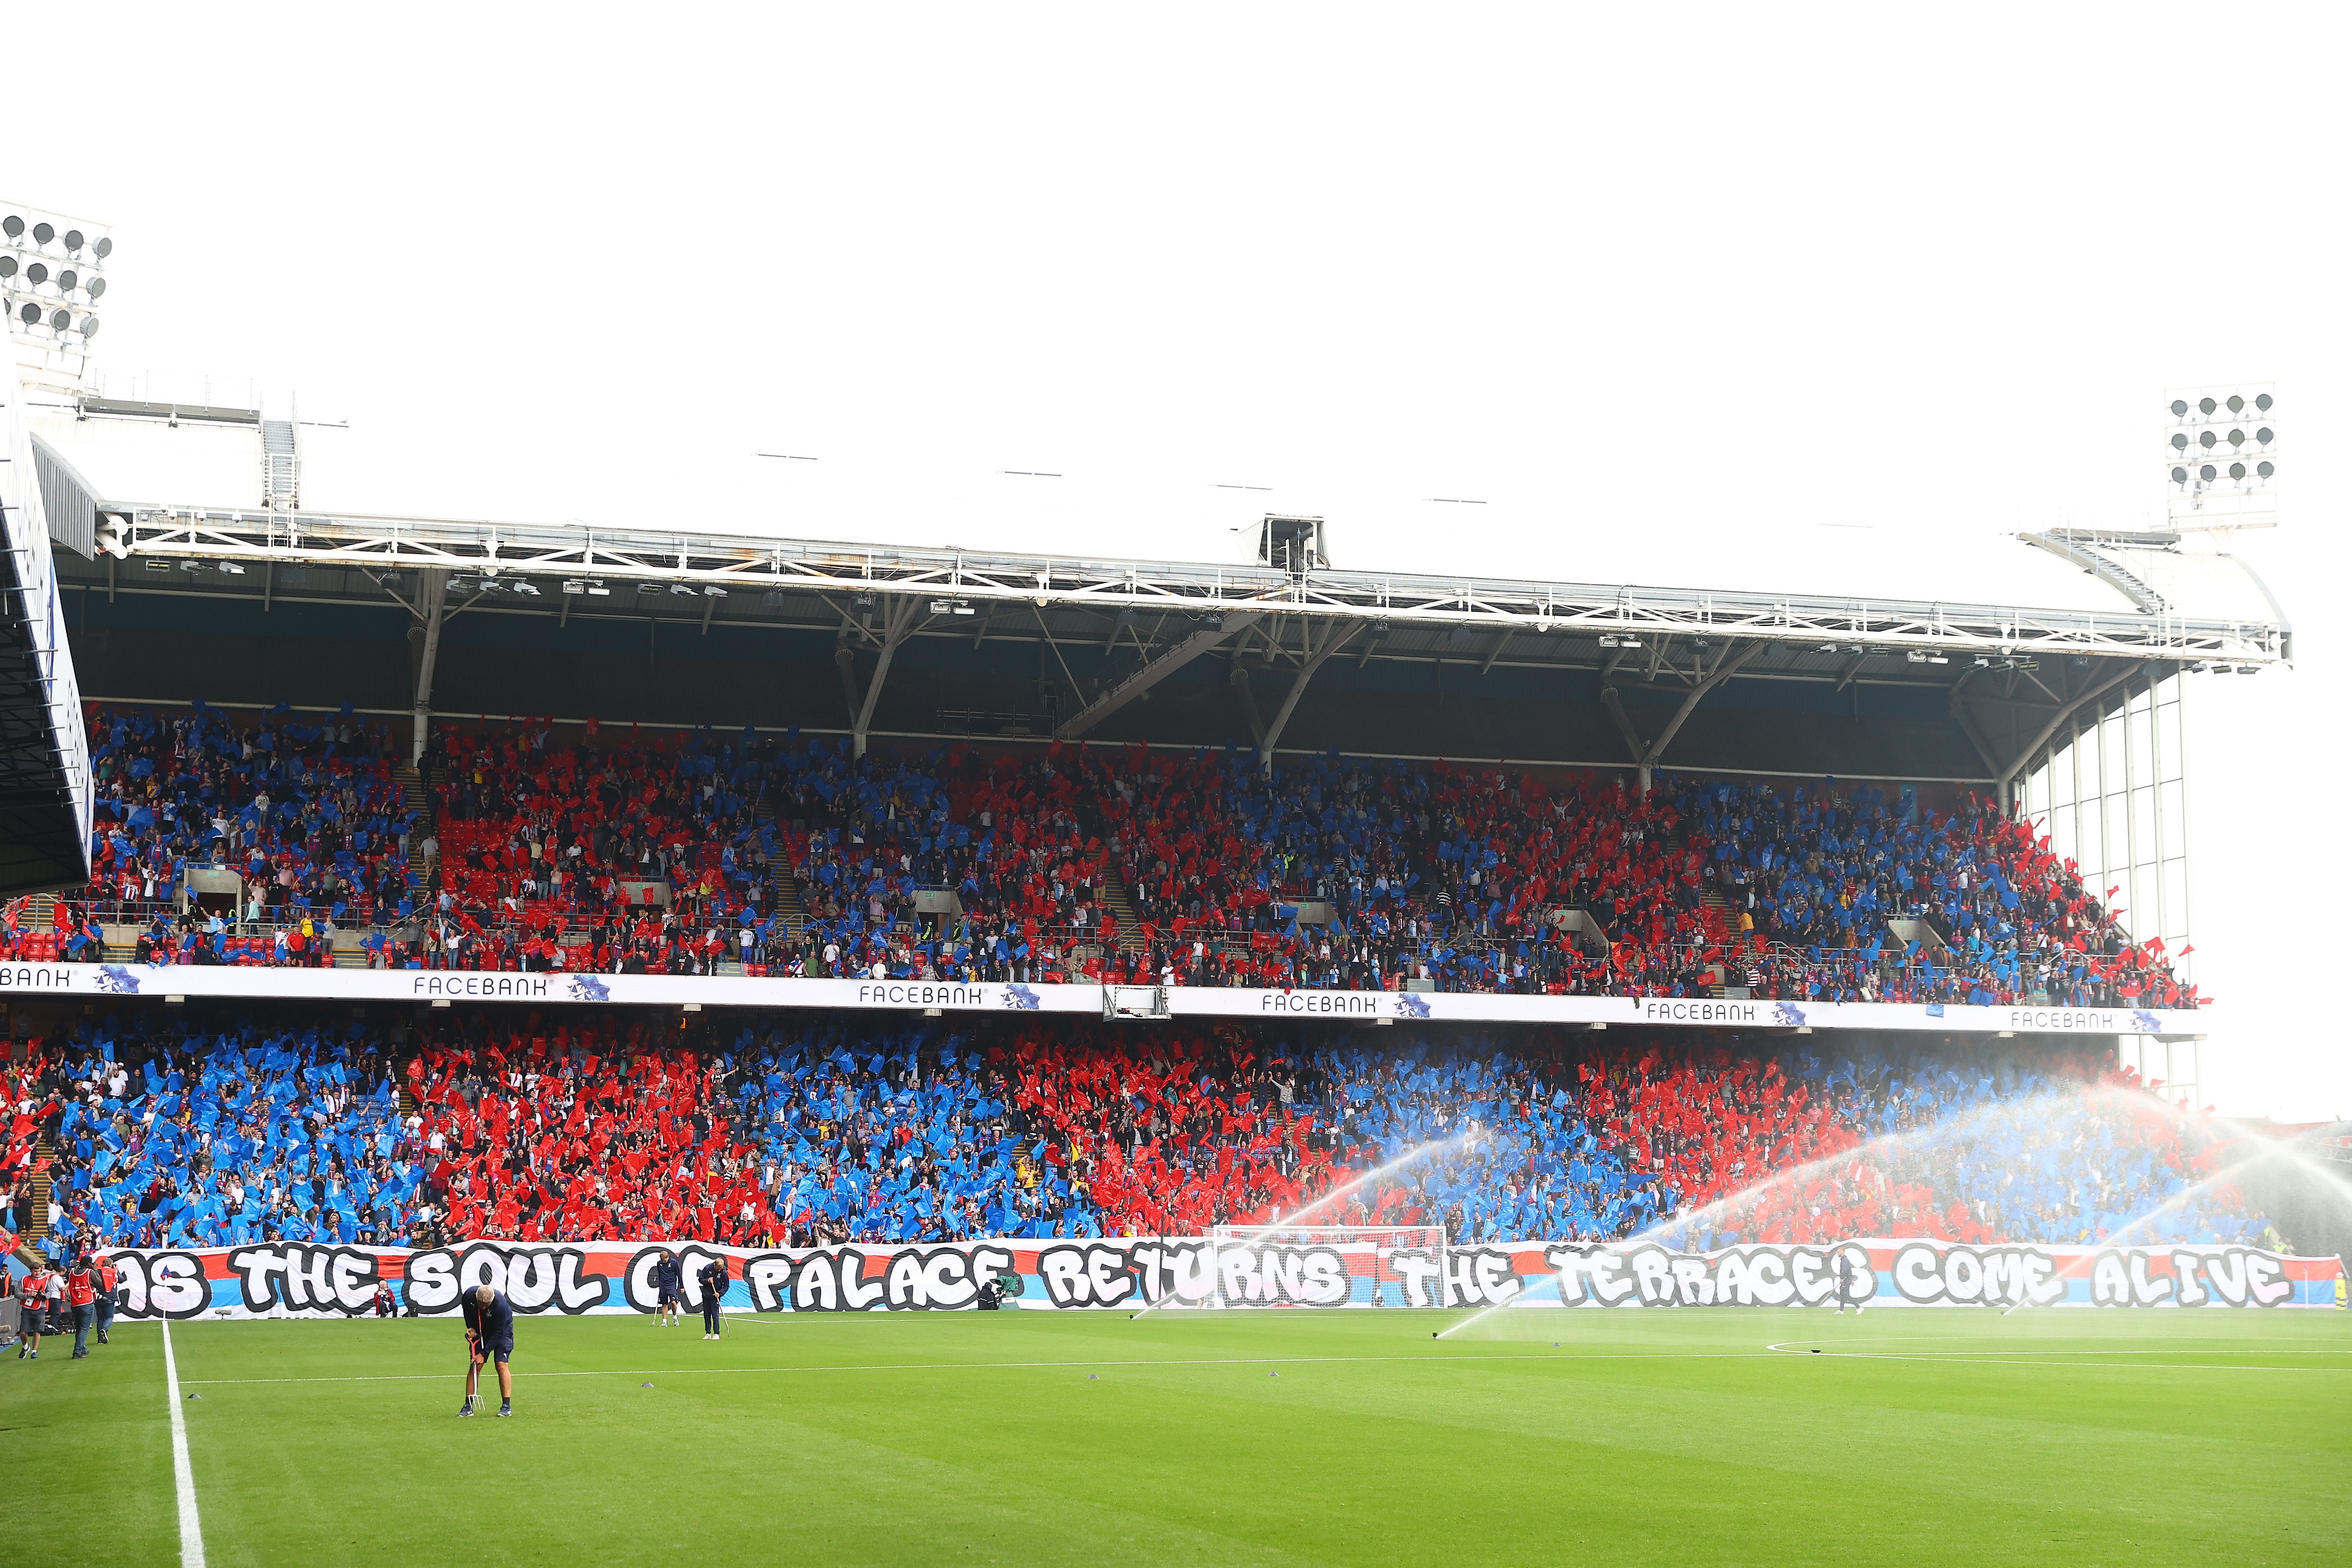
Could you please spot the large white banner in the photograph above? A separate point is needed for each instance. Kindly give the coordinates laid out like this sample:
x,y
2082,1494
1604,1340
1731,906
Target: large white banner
x,y
280,1279
1183,1001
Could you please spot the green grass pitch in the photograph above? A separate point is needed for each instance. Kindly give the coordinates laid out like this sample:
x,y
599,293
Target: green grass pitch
x,y
1671,1437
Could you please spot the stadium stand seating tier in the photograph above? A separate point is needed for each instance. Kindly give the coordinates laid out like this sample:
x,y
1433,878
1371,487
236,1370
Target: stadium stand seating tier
x,y
149,1128
697,853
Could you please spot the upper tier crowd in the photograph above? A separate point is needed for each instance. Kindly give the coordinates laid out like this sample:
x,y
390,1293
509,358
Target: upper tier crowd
x,y
588,1126
699,854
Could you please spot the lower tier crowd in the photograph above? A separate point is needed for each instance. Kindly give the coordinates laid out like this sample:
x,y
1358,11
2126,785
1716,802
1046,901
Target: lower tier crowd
x,y
789,1131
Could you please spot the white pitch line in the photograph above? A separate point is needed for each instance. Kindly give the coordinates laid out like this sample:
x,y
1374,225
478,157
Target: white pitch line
x,y
1034,1366
184,1478
1797,1348
1793,1346
2002,1342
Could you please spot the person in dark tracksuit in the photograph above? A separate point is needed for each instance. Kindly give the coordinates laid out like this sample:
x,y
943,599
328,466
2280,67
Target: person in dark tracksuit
x,y
713,1280
1846,1282
490,1336
669,1284
110,1287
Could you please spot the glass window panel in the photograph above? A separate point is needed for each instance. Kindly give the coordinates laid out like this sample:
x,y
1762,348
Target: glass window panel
x,y
2176,909
2113,845
2172,803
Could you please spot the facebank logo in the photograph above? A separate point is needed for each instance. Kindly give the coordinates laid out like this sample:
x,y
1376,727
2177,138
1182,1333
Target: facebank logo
x,y
117,979
588,988
1022,999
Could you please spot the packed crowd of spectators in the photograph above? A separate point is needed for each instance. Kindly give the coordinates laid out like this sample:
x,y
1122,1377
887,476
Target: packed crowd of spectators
x,y
303,808
180,1139
1824,875
581,1133
785,855
614,857
797,1131
1428,874
2050,1146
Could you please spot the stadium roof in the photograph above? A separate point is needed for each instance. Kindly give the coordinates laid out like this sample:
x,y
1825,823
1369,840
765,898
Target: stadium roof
x,y
212,499
192,473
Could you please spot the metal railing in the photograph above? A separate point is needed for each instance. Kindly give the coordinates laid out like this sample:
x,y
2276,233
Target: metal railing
x,y
1453,963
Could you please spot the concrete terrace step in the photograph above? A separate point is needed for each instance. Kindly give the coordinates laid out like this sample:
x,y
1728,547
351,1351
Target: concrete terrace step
x,y
1723,927
417,792
1119,904
786,890
46,1154
783,886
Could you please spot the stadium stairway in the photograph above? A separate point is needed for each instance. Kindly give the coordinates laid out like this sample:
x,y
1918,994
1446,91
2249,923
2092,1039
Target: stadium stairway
x,y
45,1154
1722,930
788,903
415,794
1119,904
783,882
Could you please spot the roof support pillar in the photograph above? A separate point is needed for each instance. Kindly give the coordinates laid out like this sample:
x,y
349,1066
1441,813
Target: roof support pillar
x,y
901,616
1334,639
432,609
1646,753
1241,693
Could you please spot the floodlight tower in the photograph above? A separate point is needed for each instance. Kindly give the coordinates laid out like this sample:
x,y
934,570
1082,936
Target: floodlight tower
x,y
2220,458
52,273
2112,783
52,276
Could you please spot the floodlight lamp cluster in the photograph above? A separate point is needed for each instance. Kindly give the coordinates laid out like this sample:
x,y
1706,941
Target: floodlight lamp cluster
x,y
1609,639
52,275
2221,439
2209,406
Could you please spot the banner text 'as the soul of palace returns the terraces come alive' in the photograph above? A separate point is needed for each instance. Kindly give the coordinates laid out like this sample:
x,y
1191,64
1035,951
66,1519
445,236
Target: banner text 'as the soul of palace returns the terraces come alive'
x,y
281,1278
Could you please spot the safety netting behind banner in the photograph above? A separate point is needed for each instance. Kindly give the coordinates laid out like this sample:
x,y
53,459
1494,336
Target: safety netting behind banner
x,y
299,1280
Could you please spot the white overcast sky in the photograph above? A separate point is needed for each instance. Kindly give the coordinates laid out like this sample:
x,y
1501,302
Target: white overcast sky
x,y
1709,296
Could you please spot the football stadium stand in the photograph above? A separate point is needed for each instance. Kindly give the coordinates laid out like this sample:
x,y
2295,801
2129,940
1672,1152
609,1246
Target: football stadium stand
x,y
289,839
147,1133
1767,836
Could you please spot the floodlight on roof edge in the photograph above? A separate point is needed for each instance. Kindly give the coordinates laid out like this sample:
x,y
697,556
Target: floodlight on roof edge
x,y
52,275
2221,464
